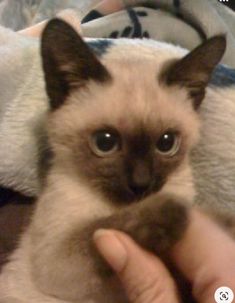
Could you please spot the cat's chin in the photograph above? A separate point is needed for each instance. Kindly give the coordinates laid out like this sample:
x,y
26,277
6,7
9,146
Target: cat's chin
x,y
124,198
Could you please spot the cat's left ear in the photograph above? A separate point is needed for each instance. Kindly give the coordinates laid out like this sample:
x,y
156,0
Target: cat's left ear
x,y
195,69
67,61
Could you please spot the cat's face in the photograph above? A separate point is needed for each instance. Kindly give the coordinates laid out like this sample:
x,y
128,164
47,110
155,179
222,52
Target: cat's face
x,y
124,126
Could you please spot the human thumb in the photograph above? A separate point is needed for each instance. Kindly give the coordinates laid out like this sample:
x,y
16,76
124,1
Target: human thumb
x,y
143,275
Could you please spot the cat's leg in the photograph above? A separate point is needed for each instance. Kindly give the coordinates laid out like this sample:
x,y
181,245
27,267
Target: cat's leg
x,y
156,223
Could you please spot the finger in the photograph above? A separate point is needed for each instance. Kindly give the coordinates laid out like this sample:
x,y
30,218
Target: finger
x,y
70,16
67,15
144,277
106,7
206,256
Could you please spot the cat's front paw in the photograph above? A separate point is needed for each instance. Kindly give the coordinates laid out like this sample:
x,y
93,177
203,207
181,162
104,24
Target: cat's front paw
x,y
161,223
156,223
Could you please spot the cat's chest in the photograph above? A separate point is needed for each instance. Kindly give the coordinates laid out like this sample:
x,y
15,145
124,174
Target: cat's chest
x,y
67,200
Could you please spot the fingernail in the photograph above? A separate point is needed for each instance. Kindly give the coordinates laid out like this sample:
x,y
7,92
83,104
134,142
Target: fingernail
x,y
111,248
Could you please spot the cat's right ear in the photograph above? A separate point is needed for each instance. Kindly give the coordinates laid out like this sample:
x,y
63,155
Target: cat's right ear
x,y
67,61
193,72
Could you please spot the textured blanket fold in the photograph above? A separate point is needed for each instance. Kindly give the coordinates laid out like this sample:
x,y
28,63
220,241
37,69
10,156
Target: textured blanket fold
x,y
23,102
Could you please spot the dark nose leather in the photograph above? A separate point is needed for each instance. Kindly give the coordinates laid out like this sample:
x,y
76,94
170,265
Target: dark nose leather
x,y
140,180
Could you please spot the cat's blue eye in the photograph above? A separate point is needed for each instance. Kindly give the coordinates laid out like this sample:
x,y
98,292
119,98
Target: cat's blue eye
x,y
104,143
168,144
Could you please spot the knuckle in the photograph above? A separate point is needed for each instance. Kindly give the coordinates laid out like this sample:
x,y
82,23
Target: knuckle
x,y
148,290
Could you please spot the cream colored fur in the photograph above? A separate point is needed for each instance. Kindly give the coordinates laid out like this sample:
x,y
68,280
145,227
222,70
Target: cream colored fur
x,y
40,267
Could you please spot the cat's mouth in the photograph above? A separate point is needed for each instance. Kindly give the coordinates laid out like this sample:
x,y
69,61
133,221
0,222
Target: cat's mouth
x,y
139,192
133,194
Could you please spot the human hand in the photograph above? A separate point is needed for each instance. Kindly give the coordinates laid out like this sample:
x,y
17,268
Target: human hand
x,y
205,255
68,15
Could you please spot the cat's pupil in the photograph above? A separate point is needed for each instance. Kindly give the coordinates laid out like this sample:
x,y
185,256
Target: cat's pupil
x,y
166,142
106,141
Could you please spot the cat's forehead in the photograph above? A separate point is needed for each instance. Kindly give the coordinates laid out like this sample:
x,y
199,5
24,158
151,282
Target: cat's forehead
x,y
135,92
129,103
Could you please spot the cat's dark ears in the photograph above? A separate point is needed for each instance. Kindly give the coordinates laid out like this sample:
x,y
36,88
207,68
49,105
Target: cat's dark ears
x,y
67,61
195,69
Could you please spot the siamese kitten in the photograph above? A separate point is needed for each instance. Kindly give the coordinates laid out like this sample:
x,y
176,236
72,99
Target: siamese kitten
x,y
123,120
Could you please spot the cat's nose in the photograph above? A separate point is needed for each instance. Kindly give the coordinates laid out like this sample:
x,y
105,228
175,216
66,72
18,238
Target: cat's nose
x,y
140,180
